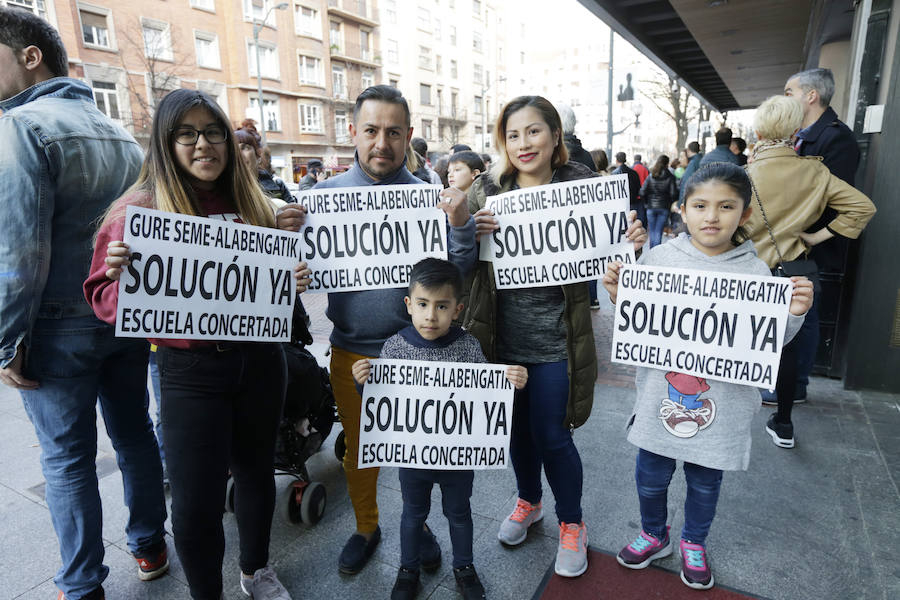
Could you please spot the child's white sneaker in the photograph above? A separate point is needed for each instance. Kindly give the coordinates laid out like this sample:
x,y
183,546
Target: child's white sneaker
x,y
571,556
264,585
514,528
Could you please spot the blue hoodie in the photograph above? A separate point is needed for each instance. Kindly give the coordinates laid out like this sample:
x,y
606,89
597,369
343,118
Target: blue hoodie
x,y
364,320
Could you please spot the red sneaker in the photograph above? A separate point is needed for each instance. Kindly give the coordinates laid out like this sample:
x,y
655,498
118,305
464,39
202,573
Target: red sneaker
x,y
152,564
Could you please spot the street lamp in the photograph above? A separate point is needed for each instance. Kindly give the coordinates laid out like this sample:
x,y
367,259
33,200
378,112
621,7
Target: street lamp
x,y
257,27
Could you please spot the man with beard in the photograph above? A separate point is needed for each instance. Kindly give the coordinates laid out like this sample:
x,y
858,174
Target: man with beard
x,y
363,320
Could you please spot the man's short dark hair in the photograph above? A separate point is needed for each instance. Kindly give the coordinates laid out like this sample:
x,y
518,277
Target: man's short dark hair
x,y
458,148
620,157
435,273
486,158
21,28
740,143
723,137
694,147
469,158
314,163
637,158
381,93
420,146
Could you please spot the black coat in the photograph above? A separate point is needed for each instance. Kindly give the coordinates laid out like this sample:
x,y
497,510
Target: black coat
x,y
660,192
577,153
634,183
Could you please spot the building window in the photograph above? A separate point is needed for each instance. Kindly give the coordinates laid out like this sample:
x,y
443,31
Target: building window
x,y
365,44
271,112
310,70
391,10
335,37
338,82
424,58
268,58
476,41
478,105
306,21
438,64
453,69
255,10
95,29
367,79
394,83
310,118
437,29
341,133
209,5
38,7
393,51
426,130
207,45
453,35
477,74
476,7
424,94
107,98
157,39
423,19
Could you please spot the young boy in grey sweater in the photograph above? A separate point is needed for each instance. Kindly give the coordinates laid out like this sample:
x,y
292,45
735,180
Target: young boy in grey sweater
x,y
678,416
435,287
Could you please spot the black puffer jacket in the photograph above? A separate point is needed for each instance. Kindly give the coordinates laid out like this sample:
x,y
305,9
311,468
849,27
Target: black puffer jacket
x,y
660,192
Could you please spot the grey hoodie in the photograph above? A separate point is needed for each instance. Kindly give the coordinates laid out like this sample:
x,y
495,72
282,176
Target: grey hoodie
x,y
715,433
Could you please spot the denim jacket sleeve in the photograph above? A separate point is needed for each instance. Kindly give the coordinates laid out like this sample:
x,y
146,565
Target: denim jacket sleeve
x,y
25,230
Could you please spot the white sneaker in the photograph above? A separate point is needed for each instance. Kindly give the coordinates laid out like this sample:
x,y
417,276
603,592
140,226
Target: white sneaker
x,y
264,586
571,556
514,528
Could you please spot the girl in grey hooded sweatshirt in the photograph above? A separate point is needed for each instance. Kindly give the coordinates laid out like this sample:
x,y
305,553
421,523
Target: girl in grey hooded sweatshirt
x,y
705,424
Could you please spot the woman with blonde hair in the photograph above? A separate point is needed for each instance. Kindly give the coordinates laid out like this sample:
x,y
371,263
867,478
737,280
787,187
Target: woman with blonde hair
x,y
792,193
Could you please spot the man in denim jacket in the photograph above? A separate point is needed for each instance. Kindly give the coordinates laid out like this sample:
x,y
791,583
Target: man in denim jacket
x,y
62,163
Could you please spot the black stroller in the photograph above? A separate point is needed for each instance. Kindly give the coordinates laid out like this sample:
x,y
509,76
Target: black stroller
x,y
306,421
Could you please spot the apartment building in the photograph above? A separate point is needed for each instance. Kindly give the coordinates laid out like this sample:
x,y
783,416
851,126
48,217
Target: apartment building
x,y
314,57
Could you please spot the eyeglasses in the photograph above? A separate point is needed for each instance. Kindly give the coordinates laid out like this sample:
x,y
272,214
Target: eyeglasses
x,y
188,136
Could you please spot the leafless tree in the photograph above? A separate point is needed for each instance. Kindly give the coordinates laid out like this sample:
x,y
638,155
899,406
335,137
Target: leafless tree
x,y
675,102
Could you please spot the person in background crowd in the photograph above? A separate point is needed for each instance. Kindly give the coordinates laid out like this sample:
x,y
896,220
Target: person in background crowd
x,y
634,186
441,167
421,148
737,147
659,193
463,169
273,186
221,401
577,152
315,172
640,169
794,192
250,154
486,159
680,165
694,157
821,134
547,330
363,320
601,162
722,151
62,163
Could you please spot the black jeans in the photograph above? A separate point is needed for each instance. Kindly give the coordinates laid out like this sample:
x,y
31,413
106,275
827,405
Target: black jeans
x,y
220,412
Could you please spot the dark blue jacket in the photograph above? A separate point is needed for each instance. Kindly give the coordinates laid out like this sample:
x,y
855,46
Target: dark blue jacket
x,y
634,183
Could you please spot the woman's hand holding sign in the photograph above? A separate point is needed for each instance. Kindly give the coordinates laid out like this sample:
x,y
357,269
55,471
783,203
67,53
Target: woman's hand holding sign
x,y
517,375
118,255
290,217
360,370
611,279
303,276
801,297
636,232
485,223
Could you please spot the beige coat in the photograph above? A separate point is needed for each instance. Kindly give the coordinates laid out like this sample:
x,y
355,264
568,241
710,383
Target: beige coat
x,y
795,190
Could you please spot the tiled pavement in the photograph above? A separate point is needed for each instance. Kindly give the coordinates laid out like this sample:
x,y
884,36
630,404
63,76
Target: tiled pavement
x,y
821,521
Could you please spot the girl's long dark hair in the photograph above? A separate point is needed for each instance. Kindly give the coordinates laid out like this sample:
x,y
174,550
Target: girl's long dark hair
x,y
660,166
728,174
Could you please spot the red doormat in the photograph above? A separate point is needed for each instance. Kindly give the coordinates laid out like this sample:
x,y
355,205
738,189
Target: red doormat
x,y
606,579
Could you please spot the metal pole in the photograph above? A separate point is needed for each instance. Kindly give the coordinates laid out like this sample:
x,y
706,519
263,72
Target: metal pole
x,y
609,101
262,117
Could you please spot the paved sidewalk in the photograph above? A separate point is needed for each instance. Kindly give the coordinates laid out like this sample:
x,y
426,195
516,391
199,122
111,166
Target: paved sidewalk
x,y
821,521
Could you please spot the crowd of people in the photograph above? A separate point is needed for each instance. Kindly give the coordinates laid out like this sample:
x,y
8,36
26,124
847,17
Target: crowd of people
x,y
70,173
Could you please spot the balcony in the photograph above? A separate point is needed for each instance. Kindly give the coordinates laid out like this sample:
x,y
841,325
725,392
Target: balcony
x,y
353,10
355,53
451,115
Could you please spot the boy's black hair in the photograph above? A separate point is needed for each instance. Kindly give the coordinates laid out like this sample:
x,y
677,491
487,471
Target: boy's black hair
x,y
434,273
381,93
21,28
740,143
470,158
729,174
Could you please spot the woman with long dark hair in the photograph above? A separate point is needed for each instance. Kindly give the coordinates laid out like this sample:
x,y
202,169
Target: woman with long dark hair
x,y
659,192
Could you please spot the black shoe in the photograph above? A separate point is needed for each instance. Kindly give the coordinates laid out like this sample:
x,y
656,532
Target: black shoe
x,y
468,584
429,550
357,551
407,585
782,433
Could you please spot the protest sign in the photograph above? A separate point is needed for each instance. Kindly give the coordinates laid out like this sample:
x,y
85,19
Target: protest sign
x,y
435,415
196,278
559,233
722,326
369,238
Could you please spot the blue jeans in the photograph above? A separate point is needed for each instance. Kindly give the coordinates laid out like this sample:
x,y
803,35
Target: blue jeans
x,y
653,474
456,489
540,439
807,346
154,378
656,218
79,361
